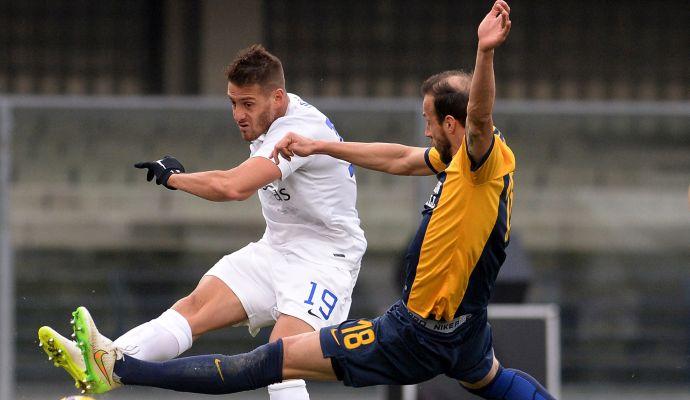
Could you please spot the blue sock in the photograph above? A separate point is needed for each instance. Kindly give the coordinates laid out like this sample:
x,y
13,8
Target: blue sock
x,y
512,384
210,374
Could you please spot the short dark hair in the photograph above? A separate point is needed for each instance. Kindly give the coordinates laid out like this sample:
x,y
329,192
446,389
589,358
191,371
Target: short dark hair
x,y
255,65
451,92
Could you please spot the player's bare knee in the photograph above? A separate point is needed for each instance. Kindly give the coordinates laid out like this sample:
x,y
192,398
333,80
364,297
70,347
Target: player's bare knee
x,y
189,307
486,379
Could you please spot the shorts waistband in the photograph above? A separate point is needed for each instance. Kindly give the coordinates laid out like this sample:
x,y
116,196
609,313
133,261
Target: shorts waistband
x,y
438,325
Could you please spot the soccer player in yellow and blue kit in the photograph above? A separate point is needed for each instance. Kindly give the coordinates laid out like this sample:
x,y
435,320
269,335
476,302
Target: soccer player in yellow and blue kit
x,y
440,324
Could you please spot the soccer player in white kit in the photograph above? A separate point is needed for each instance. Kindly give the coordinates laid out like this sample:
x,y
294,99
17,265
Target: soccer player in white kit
x,y
299,276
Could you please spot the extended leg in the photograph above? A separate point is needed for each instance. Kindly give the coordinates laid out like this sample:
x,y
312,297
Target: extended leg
x,y
356,348
289,358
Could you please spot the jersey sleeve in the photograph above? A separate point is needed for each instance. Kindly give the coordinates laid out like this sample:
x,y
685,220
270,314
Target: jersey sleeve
x,y
433,161
496,163
276,132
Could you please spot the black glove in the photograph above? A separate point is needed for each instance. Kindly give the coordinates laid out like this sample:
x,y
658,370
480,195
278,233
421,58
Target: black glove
x,y
161,169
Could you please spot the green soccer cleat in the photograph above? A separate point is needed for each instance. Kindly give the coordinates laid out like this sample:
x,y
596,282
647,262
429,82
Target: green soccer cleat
x,y
63,353
99,354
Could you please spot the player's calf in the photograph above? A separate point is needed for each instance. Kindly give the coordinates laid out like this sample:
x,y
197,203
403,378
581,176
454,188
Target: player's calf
x,y
209,374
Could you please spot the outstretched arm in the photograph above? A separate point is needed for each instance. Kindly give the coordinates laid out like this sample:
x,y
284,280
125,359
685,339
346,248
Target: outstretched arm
x,y
492,32
393,158
236,184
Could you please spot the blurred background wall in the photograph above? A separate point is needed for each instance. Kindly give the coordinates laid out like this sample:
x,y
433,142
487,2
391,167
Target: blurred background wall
x,y
592,96
565,50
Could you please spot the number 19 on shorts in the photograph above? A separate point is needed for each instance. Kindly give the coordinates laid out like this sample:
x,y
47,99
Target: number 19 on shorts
x,y
328,299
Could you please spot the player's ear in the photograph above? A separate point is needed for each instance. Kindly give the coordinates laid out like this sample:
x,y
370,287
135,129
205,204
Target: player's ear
x,y
449,124
278,95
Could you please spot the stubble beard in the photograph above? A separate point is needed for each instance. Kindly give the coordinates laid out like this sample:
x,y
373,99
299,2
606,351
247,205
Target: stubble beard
x,y
444,151
263,122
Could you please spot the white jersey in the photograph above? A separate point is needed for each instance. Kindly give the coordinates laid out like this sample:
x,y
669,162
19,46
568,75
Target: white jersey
x,y
311,210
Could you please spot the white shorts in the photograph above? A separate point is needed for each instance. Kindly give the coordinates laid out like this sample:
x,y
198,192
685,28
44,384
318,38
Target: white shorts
x,y
269,284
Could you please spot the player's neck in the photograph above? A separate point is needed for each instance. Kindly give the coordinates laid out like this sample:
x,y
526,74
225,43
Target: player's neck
x,y
455,143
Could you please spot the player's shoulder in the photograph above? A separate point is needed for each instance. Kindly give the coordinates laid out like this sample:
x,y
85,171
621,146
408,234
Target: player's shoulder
x,y
304,119
495,163
300,112
298,101
300,108
498,142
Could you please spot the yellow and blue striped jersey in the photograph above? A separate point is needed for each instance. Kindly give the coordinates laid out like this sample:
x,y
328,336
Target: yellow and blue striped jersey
x,y
454,258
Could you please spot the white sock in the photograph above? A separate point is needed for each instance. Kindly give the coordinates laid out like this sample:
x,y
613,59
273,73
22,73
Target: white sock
x,y
160,339
294,389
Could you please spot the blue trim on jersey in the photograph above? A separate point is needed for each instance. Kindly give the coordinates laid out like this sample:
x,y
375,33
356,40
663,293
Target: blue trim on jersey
x,y
500,135
428,161
415,246
483,277
330,125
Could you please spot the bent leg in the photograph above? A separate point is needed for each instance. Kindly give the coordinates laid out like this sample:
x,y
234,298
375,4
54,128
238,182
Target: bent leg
x,y
160,339
487,379
211,305
237,285
508,384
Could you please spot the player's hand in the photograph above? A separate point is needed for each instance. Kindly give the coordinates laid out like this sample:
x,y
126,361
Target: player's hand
x,y
293,145
161,169
493,30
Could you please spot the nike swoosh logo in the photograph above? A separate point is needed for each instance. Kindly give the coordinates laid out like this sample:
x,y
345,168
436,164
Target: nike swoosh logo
x,y
217,362
98,358
334,337
312,313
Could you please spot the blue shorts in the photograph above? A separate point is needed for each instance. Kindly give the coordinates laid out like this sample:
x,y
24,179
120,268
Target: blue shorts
x,y
394,349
